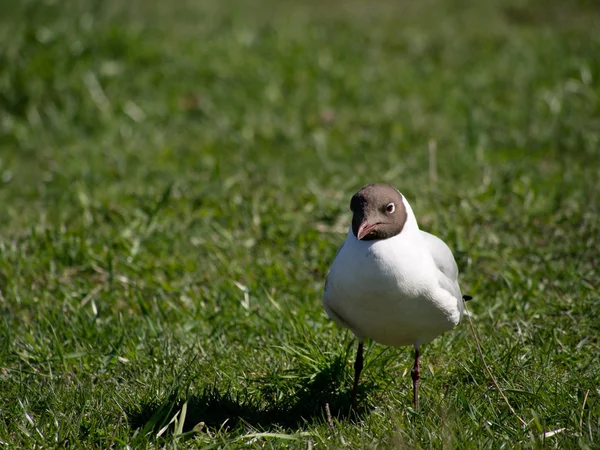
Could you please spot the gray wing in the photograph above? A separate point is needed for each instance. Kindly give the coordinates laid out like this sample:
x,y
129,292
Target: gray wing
x,y
444,260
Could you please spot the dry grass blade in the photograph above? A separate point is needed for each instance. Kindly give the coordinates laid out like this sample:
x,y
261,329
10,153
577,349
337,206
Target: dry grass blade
x,y
487,368
583,409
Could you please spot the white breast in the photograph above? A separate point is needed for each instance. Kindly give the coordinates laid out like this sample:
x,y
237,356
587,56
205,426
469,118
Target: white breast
x,y
388,290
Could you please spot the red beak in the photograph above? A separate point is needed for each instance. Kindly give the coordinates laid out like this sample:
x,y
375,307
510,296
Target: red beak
x,y
364,229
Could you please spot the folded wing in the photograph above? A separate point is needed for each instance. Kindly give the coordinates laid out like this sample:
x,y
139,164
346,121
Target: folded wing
x,y
448,270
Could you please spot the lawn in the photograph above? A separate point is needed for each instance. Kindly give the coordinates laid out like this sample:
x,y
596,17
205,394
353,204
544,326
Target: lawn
x,y
175,180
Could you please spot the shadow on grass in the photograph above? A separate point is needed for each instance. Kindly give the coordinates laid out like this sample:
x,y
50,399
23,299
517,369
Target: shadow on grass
x,y
218,410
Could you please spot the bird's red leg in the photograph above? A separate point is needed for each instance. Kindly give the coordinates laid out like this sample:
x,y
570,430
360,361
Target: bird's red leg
x,y
358,366
416,375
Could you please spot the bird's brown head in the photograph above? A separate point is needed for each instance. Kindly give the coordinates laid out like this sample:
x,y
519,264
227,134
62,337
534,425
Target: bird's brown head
x,y
378,212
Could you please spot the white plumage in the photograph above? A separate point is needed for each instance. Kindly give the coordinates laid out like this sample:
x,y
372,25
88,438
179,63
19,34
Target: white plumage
x,y
397,290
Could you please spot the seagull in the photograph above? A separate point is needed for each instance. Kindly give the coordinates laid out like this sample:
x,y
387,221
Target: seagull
x,y
390,281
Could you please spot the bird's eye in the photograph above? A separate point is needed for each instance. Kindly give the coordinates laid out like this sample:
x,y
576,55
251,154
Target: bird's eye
x,y
390,208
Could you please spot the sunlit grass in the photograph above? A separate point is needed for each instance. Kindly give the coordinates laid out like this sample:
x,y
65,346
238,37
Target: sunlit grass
x,y
175,181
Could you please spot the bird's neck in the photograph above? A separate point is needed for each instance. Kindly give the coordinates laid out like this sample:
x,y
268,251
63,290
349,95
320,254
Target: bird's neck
x,y
411,225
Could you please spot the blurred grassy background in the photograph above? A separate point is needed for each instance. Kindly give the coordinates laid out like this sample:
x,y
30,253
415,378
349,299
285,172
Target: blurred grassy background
x,y
175,180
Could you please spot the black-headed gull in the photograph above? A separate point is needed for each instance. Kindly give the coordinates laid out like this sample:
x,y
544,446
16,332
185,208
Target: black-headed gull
x,y
390,281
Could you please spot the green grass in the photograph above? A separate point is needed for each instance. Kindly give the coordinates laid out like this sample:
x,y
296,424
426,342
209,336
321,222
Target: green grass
x,y
175,181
